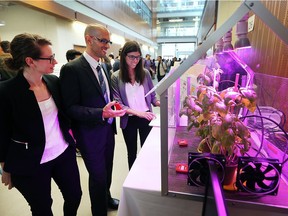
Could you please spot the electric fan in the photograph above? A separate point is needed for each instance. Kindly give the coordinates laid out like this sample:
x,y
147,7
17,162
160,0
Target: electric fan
x,y
198,168
258,175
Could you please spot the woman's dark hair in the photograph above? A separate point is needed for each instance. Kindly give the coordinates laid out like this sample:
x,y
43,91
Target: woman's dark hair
x,y
23,46
131,46
5,45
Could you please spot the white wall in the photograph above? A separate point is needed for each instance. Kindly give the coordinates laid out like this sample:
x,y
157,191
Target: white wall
x,y
60,32
63,33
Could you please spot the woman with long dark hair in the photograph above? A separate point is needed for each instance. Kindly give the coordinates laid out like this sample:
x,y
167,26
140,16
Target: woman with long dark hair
x,y
130,84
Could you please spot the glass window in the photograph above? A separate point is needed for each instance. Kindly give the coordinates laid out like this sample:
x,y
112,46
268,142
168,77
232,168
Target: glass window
x,y
140,8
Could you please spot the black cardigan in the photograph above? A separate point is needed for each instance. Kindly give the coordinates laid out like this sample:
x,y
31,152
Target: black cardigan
x,y
22,134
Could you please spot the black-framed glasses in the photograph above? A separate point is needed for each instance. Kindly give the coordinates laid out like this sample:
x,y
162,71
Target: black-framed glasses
x,y
103,41
51,58
132,57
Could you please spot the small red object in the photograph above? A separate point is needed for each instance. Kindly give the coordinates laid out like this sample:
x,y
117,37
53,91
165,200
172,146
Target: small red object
x,y
182,142
117,106
182,168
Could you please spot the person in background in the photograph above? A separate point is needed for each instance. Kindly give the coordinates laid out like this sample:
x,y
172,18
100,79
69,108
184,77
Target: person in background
x,y
161,68
174,59
5,72
72,54
5,46
148,65
87,96
116,64
130,84
35,145
111,57
106,60
153,66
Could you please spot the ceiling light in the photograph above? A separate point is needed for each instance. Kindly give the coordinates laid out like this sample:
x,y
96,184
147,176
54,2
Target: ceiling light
x,y
196,19
175,20
2,23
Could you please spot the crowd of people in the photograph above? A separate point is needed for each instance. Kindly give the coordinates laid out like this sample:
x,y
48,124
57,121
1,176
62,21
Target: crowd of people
x,y
45,118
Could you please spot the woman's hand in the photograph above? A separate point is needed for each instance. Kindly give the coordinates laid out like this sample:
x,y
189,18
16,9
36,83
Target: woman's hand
x,y
6,180
148,115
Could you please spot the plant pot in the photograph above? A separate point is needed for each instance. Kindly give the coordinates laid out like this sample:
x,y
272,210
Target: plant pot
x,y
230,177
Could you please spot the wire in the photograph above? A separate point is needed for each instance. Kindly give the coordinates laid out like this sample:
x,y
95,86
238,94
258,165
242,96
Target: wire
x,y
262,130
280,127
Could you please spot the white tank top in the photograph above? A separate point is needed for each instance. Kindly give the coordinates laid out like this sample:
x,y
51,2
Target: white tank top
x,y
136,96
55,144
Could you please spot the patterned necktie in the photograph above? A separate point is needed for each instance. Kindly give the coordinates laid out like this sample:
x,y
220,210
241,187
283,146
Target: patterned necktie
x,y
103,87
102,83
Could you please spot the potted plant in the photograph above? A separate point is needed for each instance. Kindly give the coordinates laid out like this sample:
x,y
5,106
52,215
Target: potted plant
x,y
216,115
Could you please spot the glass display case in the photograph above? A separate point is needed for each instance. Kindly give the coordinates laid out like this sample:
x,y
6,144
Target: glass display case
x,y
267,124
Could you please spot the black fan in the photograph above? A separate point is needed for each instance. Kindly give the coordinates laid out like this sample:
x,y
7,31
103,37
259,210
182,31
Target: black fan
x,y
258,175
198,171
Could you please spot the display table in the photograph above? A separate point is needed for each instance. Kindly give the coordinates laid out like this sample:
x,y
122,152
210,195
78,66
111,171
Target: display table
x,y
141,193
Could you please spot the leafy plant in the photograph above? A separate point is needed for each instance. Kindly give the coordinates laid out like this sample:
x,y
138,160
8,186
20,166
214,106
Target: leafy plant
x,y
216,115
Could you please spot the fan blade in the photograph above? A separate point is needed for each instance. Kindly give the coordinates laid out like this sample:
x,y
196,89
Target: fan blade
x,y
245,177
251,184
263,185
249,169
196,165
271,178
194,174
268,169
258,166
246,173
203,178
194,177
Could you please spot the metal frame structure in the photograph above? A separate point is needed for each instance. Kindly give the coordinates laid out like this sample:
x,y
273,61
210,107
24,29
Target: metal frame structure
x,y
261,11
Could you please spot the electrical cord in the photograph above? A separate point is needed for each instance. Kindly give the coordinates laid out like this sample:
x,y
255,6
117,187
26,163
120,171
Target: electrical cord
x,y
280,127
262,130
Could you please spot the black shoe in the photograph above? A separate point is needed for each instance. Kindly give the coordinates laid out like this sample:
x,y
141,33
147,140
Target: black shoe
x,y
113,203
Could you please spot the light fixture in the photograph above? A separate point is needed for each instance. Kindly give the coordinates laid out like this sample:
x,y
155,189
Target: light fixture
x,y
2,23
241,32
227,41
196,19
219,46
175,20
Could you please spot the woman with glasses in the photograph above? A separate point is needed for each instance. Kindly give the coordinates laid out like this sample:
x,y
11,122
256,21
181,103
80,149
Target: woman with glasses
x,y
35,145
130,84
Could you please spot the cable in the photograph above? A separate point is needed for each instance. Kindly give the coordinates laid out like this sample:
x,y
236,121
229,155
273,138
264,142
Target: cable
x,y
262,130
280,127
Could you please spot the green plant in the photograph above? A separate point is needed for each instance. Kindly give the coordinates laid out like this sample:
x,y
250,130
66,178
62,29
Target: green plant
x,y
216,115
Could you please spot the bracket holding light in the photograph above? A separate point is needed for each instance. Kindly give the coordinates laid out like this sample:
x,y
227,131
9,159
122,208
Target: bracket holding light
x,y
241,33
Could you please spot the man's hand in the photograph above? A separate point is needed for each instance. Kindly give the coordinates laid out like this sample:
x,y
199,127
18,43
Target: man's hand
x,y
157,103
108,112
6,178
